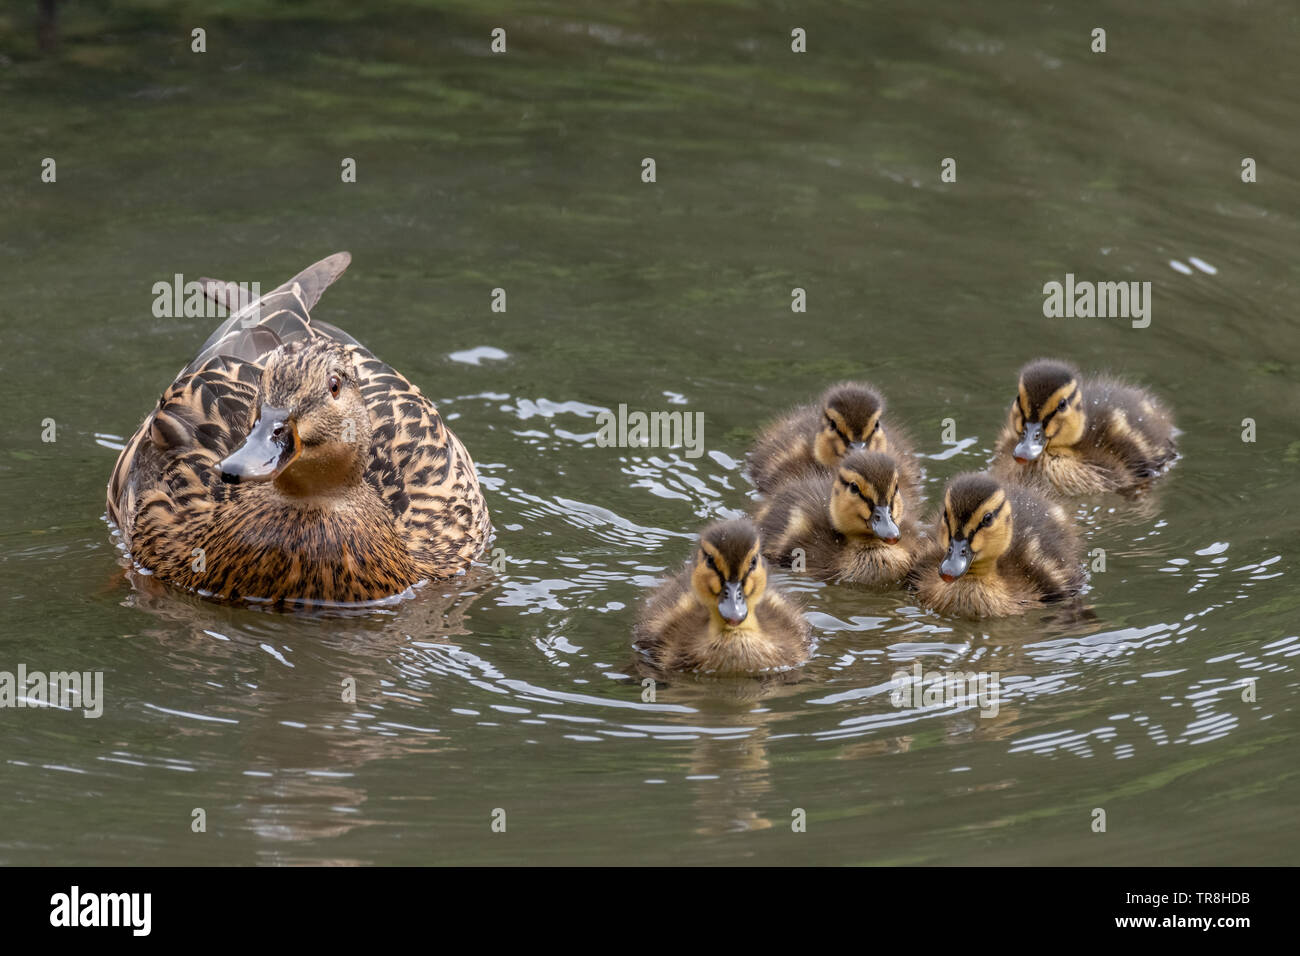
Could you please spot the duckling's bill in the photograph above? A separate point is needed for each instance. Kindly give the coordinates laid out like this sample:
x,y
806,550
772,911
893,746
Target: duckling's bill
x,y
731,603
956,561
883,526
1032,442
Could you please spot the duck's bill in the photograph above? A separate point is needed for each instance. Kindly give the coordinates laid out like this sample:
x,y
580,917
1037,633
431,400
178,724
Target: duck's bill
x,y
883,526
1031,444
270,448
731,604
956,561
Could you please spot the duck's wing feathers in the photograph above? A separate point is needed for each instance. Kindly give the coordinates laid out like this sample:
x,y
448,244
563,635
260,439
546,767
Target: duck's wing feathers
x,y
200,419
282,315
421,470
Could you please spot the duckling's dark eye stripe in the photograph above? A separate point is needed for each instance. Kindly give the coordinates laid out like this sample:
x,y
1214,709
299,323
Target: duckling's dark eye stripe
x,y
836,429
855,488
1021,400
980,526
997,511
1069,400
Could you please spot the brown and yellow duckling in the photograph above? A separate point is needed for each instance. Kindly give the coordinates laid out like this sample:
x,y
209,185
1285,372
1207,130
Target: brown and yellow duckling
x,y
287,464
718,616
1083,436
811,440
1000,548
854,527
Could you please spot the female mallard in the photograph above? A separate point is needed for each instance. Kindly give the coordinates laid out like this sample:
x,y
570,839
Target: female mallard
x,y
811,440
287,464
1000,549
718,617
856,527
1083,436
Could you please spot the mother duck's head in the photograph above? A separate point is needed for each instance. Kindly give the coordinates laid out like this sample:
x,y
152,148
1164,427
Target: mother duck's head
x,y
311,430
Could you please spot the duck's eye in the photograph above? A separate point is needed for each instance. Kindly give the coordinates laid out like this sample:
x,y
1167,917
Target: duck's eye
x,y
335,385
988,519
753,563
853,487
1060,406
708,559
838,434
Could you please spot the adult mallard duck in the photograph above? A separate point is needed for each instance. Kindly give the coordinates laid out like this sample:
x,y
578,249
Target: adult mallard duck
x,y
1082,436
287,464
999,548
718,616
811,440
855,527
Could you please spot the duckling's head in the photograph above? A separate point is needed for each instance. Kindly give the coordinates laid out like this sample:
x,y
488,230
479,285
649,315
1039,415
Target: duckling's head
x,y
850,421
729,574
1048,411
865,498
976,526
311,432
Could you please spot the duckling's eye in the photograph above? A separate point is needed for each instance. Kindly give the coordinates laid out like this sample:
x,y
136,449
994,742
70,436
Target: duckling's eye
x,y
708,559
335,385
988,519
836,429
753,563
853,487
1060,407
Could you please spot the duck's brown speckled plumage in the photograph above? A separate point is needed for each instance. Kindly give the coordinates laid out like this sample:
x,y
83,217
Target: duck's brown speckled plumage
x,y
1109,436
826,523
414,511
811,439
1028,555
680,628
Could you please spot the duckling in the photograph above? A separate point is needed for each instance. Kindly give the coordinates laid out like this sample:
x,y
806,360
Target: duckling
x,y
1000,548
718,616
1083,436
812,439
856,526
286,463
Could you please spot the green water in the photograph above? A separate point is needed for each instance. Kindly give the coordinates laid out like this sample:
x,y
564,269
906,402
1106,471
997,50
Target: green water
x,y
775,170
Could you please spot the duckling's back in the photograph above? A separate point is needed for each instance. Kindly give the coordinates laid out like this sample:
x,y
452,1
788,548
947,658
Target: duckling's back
x,y
784,451
1130,427
1045,547
797,517
669,625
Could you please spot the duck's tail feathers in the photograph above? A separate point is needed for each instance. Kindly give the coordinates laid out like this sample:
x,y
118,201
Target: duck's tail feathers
x,y
256,326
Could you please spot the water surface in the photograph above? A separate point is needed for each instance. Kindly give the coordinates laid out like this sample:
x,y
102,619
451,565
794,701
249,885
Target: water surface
x,y
819,171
